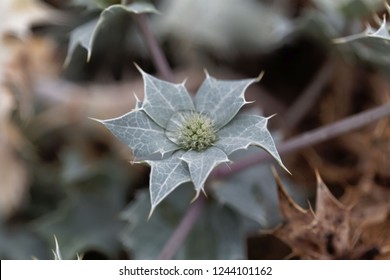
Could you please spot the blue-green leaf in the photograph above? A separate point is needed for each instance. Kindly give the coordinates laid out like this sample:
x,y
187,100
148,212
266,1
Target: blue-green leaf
x,y
221,99
370,33
218,233
372,46
163,99
140,133
196,138
252,192
81,36
85,219
86,34
201,164
166,175
245,130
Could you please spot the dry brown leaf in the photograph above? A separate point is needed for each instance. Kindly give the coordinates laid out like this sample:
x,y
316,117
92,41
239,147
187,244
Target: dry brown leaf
x,y
296,223
333,218
324,233
371,204
17,17
379,235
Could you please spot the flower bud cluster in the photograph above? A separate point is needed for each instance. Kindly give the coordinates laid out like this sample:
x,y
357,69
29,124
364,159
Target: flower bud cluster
x,y
197,133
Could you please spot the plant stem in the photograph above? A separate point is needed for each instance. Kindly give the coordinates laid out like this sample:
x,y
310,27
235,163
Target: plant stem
x,y
305,101
309,139
183,229
158,57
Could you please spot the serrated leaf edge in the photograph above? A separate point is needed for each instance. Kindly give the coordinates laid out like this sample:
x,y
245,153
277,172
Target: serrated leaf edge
x,y
127,8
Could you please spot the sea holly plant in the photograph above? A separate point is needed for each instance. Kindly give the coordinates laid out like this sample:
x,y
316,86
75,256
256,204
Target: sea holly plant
x,y
113,20
372,45
190,136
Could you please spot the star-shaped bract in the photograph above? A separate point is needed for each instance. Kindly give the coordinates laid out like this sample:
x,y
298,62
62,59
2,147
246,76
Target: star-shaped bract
x,y
156,124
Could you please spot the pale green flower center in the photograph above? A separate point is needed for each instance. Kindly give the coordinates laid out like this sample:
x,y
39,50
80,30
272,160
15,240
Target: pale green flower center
x,y
196,133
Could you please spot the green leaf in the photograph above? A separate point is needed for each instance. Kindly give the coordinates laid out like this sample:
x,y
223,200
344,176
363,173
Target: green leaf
x,y
115,16
166,121
201,164
163,99
217,234
221,99
370,33
86,222
372,46
245,130
21,243
252,192
80,36
166,175
136,130
350,8
87,219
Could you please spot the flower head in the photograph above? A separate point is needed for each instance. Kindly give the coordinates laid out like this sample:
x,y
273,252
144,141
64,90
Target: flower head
x,y
191,131
192,136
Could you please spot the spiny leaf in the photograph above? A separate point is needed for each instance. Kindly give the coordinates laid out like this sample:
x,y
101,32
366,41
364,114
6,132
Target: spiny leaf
x,y
135,129
86,34
245,130
370,33
57,252
86,219
323,234
217,234
166,175
372,46
167,120
201,164
222,99
163,99
252,192
80,36
334,215
289,209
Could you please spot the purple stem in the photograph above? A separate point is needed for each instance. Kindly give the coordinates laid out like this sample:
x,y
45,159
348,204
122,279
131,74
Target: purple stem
x,y
298,110
158,57
309,139
183,229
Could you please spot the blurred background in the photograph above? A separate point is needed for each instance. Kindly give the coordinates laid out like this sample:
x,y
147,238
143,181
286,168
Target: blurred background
x,y
63,174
